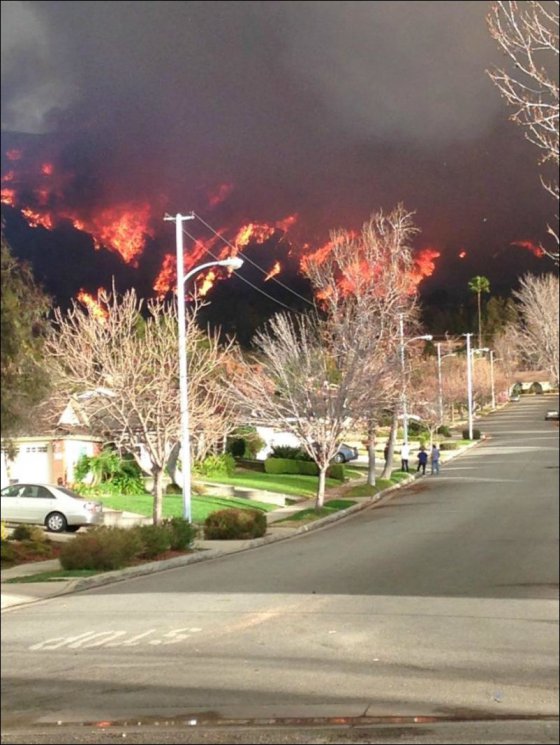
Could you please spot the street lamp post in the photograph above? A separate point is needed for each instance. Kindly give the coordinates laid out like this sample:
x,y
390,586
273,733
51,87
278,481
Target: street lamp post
x,y
492,379
402,345
235,262
441,357
470,353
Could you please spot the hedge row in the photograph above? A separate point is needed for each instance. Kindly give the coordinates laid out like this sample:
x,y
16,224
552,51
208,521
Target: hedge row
x,y
232,524
302,467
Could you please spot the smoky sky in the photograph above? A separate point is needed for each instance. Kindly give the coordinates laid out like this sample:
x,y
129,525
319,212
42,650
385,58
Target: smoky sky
x,y
328,109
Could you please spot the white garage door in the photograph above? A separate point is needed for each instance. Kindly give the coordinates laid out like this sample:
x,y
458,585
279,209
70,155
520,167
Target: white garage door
x,y
32,464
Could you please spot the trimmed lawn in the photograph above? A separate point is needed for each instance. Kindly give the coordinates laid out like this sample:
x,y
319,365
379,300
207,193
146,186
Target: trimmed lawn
x,y
281,483
173,505
306,516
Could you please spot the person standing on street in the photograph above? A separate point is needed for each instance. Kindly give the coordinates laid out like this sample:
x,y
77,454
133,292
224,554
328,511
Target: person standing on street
x,y
405,452
435,459
422,460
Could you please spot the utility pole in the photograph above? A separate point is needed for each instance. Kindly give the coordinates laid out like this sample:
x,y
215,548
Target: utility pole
x,y
469,385
403,395
183,389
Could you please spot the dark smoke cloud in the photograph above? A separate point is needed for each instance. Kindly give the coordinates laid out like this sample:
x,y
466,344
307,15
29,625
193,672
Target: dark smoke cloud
x,y
328,109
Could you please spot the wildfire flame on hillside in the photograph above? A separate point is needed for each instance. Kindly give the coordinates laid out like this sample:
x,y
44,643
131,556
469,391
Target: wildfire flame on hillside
x,y
530,246
46,194
92,304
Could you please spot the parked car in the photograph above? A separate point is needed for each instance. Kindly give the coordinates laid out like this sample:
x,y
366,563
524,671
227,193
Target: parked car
x,y
345,453
551,414
57,508
514,397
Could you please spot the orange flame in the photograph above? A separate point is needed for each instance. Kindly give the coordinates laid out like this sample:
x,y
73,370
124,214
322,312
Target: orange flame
x,y
93,305
122,228
47,169
13,154
530,246
34,219
207,283
8,177
462,254
274,271
424,264
8,196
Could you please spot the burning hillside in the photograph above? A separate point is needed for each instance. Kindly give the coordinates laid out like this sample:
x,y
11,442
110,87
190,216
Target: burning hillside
x,y
49,196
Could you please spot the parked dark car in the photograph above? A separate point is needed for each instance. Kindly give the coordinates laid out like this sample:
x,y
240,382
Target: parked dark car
x,y
345,453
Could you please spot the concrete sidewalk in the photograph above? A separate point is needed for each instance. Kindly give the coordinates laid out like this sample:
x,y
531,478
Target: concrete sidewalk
x,y
13,595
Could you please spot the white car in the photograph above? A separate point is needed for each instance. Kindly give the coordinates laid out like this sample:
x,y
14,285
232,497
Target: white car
x,y
57,508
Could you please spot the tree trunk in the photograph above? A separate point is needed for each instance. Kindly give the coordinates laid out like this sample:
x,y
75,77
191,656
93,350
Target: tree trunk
x,y
479,321
158,495
392,437
320,500
371,453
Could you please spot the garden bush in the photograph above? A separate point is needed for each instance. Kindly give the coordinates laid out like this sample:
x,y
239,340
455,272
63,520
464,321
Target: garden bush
x,y
3,531
475,434
448,446
245,442
281,465
232,524
182,533
155,540
215,465
444,431
336,471
28,533
103,548
285,451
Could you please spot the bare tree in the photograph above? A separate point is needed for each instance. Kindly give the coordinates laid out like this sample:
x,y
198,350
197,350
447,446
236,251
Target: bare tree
x,y
127,366
304,384
527,33
363,282
538,301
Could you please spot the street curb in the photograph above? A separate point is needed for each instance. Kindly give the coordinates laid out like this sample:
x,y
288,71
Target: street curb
x,y
119,575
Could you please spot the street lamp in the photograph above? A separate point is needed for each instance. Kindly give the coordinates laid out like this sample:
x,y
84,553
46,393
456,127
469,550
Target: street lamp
x,y
234,262
441,357
403,344
470,353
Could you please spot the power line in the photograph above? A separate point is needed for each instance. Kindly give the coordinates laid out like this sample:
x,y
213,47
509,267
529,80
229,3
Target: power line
x,y
243,279
246,258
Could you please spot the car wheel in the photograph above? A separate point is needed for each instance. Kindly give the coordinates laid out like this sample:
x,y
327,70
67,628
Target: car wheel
x,y
338,458
56,522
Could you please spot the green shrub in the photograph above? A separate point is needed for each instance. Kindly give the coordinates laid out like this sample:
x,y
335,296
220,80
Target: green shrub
x,y
475,434
285,451
182,533
280,465
8,552
444,431
245,442
448,445
29,533
416,428
233,524
155,539
336,471
307,468
102,548
3,531
214,465
237,448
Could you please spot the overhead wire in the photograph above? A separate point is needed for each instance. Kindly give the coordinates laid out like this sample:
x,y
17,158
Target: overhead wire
x,y
250,261
243,279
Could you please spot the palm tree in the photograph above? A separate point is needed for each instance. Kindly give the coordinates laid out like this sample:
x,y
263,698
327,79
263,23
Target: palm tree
x,y
479,285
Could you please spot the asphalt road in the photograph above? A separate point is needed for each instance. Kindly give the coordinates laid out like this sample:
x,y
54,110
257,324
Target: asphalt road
x,y
441,602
